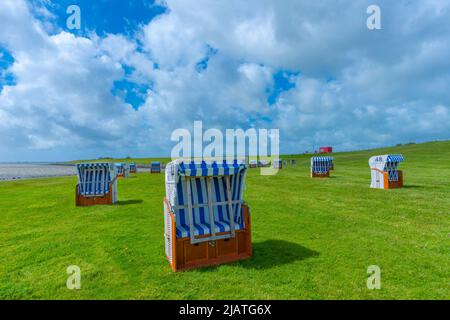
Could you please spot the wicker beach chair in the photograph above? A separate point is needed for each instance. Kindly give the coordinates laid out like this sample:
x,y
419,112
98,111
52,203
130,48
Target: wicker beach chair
x,y
321,166
206,220
123,169
384,171
278,164
97,184
155,167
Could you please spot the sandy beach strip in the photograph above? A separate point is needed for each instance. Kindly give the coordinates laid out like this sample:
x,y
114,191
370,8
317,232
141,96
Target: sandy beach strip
x,y
29,171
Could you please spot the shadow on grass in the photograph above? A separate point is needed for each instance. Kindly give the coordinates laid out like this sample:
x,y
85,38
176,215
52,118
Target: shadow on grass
x,y
128,202
413,186
272,253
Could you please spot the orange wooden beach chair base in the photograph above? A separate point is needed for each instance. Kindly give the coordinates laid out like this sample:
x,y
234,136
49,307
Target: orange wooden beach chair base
x,y
320,175
393,184
84,201
185,255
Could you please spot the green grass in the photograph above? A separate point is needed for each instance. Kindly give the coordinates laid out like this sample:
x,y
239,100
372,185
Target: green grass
x,y
312,238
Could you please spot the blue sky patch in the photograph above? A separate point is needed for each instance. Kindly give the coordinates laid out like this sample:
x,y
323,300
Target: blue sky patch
x,y
282,82
6,60
112,16
130,92
203,64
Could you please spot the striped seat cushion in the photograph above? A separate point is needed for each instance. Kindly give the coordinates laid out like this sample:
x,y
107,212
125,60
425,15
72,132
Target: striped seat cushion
x,y
203,229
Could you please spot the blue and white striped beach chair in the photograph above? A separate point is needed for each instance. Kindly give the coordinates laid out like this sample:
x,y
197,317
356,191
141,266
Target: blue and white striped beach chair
x,y
123,169
277,164
263,163
330,163
204,205
133,167
320,166
97,184
155,167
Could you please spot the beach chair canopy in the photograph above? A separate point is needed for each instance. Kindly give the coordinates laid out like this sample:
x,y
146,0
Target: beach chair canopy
x,y
206,198
132,166
94,178
321,164
387,163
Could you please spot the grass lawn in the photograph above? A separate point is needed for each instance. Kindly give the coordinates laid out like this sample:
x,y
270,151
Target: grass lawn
x,y
312,238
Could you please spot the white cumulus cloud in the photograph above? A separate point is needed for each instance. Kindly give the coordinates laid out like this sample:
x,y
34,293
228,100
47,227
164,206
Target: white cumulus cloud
x,y
216,61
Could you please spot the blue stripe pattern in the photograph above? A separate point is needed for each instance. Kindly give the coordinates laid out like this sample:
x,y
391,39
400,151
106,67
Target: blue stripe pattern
x,y
395,158
391,166
155,167
321,164
195,173
94,178
203,169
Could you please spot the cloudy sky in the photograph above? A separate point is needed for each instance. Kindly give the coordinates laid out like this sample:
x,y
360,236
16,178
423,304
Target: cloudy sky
x,y
137,70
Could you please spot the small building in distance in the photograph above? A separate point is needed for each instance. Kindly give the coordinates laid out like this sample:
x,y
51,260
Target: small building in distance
x,y
325,149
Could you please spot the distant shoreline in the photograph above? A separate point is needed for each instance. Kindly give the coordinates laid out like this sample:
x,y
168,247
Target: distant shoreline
x,y
20,171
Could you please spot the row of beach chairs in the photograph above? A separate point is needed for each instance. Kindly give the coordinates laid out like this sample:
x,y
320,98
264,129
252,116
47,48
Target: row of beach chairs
x,y
97,182
206,220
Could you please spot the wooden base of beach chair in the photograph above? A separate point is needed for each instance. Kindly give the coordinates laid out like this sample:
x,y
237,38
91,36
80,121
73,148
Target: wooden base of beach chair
x,y
188,256
320,175
84,201
133,171
393,184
